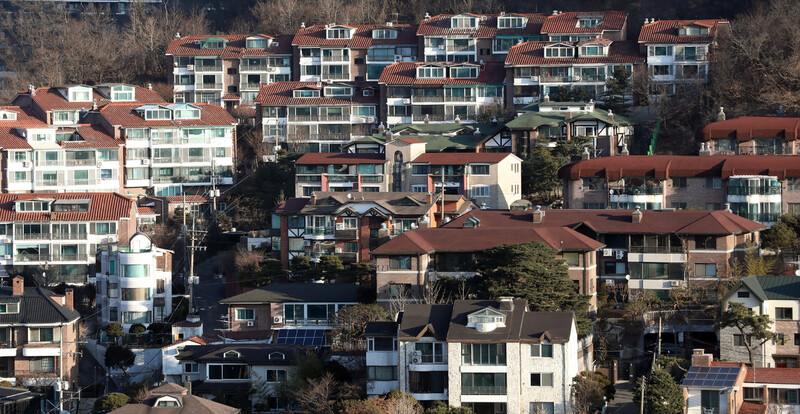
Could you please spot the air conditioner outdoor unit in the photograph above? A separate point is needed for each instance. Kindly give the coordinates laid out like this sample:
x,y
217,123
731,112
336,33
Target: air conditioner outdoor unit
x,y
398,58
189,67
250,323
145,162
197,42
576,77
307,243
609,282
339,226
26,164
620,254
98,181
338,250
441,47
277,319
675,283
406,101
416,360
608,252
7,257
535,78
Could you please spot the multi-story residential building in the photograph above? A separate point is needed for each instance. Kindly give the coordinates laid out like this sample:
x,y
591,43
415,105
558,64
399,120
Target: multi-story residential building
x,y
491,356
652,250
349,225
134,283
66,105
38,338
578,26
475,137
677,51
342,53
177,399
489,179
437,92
290,313
750,135
540,69
228,70
175,148
777,297
759,188
409,263
56,235
172,369
472,38
316,116
234,368
549,122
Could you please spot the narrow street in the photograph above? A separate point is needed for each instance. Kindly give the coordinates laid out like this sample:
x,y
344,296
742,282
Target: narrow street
x,y
623,400
211,290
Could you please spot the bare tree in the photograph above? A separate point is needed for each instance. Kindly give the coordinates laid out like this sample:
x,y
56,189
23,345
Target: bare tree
x,y
317,397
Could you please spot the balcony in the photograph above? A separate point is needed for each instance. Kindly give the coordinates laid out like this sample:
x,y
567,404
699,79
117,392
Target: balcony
x,y
753,190
483,390
166,160
255,68
208,68
32,236
76,162
166,179
214,86
655,249
347,257
251,86
8,349
49,163
41,350
306,178
336,76
345,234
68,236
436,98
637,190
459,98
342,117
342,178
307,322
318,137
546,78
761,217
447,178
691,57
431,117
336,58
456,48
590,78
319,231
371,179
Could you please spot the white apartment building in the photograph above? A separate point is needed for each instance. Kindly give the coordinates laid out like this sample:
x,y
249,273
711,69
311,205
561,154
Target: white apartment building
x,y
677,51
56,235
228,70
778,298
174,148
440,92
134,283
492,356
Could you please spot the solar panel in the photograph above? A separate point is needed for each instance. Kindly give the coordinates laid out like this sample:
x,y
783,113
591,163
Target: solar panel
x,y
714,377
312,337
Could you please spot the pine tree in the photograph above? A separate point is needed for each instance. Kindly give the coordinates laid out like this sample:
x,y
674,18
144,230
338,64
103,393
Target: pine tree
x,y
662,395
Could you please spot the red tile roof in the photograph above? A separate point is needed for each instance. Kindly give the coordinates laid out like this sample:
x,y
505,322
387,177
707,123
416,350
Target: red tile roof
x,y
773,376
10,139
282,94
94,136
146,210
752,408
50,98
234,49
619,221
461,158
193,198
666,31
411,140
362,38
663,167
532,53
25,118
103,206
442,239
746,128
487,26
123,114
340,158
567,23
406,74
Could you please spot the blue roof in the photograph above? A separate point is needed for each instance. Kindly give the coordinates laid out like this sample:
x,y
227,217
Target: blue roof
x,y
711,377
313,337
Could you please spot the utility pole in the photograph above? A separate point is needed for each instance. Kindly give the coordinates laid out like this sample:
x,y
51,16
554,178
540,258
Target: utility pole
x,y
659,337
214,192
192,248
641,402
442,221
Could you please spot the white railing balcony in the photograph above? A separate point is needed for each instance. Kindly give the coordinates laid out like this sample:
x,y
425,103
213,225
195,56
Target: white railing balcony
x,y
208,86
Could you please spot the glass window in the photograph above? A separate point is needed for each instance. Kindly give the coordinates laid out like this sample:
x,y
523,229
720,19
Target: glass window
x,y
40,335
706,270
135,294
400,263
542,408
135,270
137,317
228,372
479,191
245,314
382,373
542,350
783,314
542,379
43,364
479,169
483,354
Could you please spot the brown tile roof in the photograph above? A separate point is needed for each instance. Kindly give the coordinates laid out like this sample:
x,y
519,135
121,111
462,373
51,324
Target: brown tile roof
x,y
663,167
520,325
461,158
617,221
234,49
292,205
10,139
405,73
666,31
567,23
340,158
422,241
123,114
752,408
362,38
50,99
94,136
487,26
25,118
532,53
103,206
282,94
773,376
189,404
746,128
145,210
189,198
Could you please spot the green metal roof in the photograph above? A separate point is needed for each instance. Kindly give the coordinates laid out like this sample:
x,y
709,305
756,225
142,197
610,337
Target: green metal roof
x,y
770,287
437,137
531,118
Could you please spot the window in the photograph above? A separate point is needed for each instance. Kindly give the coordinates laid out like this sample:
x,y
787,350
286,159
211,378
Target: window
x,y
420,169
738,340
381,344
542,379
479,191
572,259
276,375
113,290
364,110
228,372
122,93
558,52
661,70
430,353
43,364
660,50
743,294
382,373
713,182
257,43
430,72
20,156
160,286
483,384
753,394
479,169
464,72
137,270
705,270
113,314
542,408
9,307
462,22
510,22
678,206
419,188
783,396
137,317
384,34
709,400
615,268
338,33
306,93
542,350
783,314
679,182
592,50
191,367
245,314
483,354
41,335
400,263
135,294
713,206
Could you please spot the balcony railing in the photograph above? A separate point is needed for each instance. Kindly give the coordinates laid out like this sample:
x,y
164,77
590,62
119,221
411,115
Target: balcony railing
x,y
308,178
691,57
753,190
456,48
483,390
319,231
335,76
433,359
251,85
343,178
345,234
318,137
761,217
336,58
431,117
75,162
49,183
208,86
167,179
637,190
342,117
655,249
208,68
459,98
307,322
422,98
23,257
68,236
590,78
166,160
32,236
371,178
553,78
261,67
448,178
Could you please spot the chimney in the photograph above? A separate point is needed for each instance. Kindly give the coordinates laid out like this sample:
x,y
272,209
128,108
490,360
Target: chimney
x,y
636,216
624,150
721,114
705,148
546,98
381,127
177,34
728,208
700,358
427,119
538,215
610,116
69,298
193,317
32,90
645,20
585,155
313,199
429,197
457,120
188,385
18,286
494,120
427,16
94,105
390,135
568,115
150,86
477,134
303,25
555,12
506,303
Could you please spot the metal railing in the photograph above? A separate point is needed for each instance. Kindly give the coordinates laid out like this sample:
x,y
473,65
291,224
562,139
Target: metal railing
x,y
32,236
454,48
483,390
761,217
342,178
753,190
452,98
207,68
691,57
260,67
309,178
437,178
335,58
76,162
545,78
208,86
431,117
342,117
423,98
166,160
637,190
307,322
655,249
371,178
336,76
250,85
68,236
22,257
319,231
590,78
